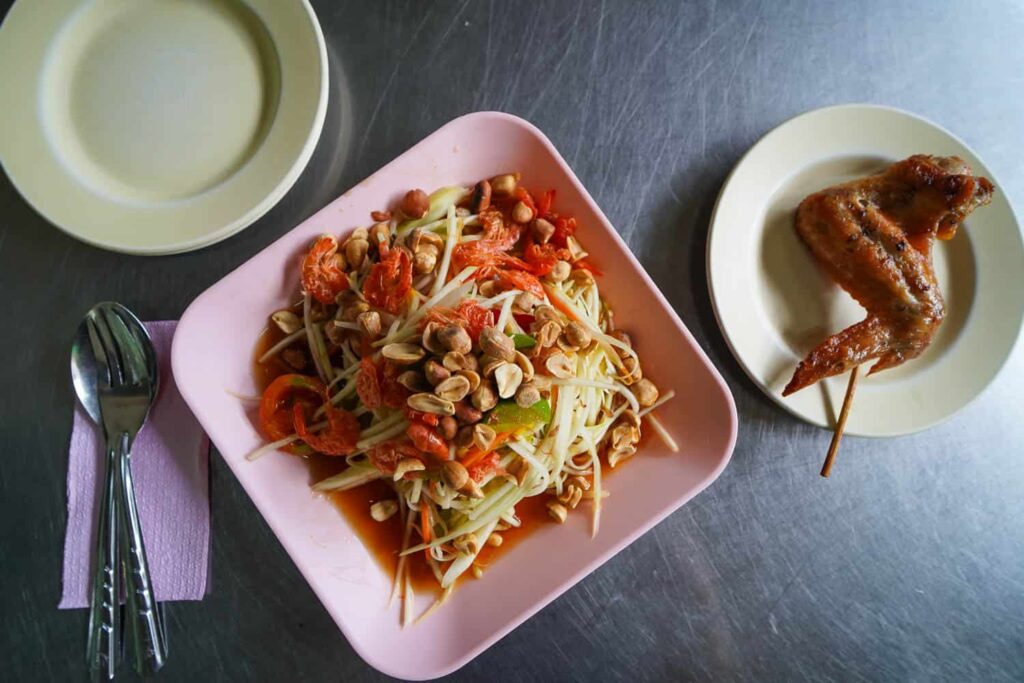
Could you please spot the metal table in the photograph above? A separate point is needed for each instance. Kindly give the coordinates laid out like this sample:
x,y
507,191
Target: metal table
x,y
907,565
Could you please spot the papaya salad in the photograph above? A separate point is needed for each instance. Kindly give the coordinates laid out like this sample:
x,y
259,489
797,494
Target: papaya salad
x,y
460,351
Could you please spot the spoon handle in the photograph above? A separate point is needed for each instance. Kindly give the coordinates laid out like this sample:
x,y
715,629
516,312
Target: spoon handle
x,y
105,602
144,627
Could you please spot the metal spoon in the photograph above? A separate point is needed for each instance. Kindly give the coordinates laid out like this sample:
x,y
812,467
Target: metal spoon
x,y
116,376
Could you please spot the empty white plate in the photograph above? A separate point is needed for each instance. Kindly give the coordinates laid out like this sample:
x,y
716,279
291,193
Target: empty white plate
x,y
774,305
159,126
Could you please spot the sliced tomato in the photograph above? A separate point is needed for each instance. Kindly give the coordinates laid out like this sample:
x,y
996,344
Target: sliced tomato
x,y
427,439
322,276
338,438
275,414
389,282
368,384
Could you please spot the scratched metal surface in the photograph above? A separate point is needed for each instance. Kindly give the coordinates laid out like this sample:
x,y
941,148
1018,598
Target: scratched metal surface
x,y
907,565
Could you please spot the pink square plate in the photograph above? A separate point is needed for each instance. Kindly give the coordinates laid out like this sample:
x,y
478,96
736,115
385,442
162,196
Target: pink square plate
x,y
212,361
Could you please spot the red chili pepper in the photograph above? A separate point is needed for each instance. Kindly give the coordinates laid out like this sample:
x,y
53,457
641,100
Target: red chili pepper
x,y
275,415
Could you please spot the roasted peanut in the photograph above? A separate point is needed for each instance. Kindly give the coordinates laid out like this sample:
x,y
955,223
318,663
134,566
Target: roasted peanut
x,y
369,323
455,338
415,204
424,261
466,413
542,230
560,271
355,251
527,395
645,391
435,372
505,184
577,335
559,365
575,248
430,403
383,510
484,398
497,344
483,436
287,321
406,465
557,511
482,196
548,334
402,353
521,213
464,437
454,474
380,234
413,381
453,389
472,377
525,302
508,377
448,426
544,313
429,338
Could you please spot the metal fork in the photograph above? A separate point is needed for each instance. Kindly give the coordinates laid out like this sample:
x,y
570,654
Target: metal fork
x,y
131,373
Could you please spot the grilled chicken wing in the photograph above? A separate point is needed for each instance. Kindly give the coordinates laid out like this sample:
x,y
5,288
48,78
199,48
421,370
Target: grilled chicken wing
x,y
873,236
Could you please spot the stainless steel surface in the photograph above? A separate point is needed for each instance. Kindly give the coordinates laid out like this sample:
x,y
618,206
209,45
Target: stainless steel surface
x,y
904,566
104,634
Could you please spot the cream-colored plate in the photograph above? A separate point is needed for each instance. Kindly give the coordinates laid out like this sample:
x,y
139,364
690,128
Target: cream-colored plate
x,y
774,305
159,126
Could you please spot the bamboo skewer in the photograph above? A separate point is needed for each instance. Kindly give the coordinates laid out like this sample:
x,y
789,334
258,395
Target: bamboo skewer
x,y
833,447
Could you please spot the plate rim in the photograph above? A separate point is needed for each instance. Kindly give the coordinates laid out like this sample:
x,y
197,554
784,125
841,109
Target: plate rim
x,y
569,581
753,376
256,211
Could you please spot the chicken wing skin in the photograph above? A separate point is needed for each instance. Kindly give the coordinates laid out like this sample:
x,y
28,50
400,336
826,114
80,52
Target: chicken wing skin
x,y
873,236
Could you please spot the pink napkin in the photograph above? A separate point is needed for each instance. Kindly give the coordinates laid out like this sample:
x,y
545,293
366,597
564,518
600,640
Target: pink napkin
x,y
170,465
